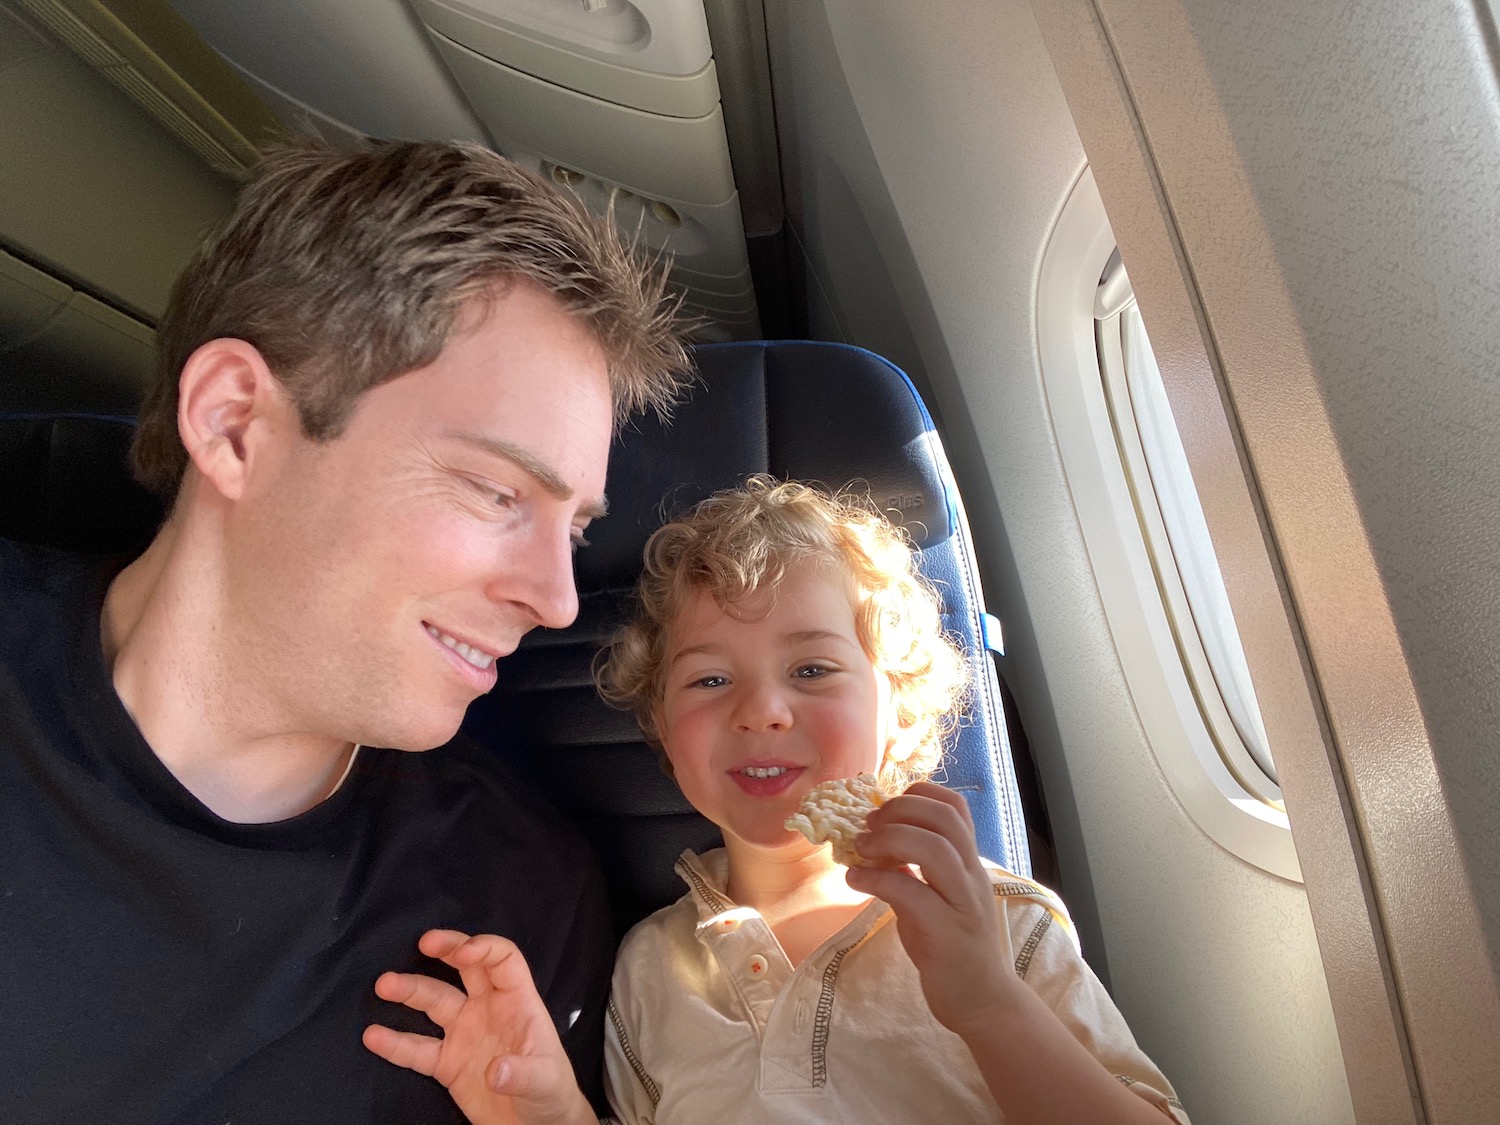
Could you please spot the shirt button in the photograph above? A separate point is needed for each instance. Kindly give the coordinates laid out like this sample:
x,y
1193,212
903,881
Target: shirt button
x,y
758,966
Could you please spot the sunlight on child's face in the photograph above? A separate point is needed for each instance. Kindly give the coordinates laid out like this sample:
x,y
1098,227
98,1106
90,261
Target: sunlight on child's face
x,y
764,702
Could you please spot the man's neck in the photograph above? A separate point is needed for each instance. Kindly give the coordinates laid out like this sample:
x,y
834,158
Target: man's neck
x,y
171,662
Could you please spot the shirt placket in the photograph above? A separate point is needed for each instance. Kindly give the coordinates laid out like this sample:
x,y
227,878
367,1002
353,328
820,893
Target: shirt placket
x,y
790,1010
750,956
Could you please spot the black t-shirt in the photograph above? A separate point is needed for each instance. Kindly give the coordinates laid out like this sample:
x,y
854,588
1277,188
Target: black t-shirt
x,y
161,965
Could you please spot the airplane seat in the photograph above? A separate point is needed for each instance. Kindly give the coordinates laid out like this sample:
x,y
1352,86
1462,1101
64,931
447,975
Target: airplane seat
x,y
820,412
66,484
811,411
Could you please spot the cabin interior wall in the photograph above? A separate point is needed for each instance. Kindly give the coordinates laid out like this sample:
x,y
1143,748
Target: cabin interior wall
x,y
945,128
1327,171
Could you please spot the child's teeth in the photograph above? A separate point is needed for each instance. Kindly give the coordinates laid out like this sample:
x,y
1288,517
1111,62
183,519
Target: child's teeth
x,y
765,771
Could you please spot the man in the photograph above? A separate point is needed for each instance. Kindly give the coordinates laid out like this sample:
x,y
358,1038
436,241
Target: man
x,y
383,410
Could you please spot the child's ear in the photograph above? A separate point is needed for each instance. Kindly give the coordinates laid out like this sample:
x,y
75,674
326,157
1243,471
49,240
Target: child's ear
x,y
898,747
665,762
901,743
655,740
900,740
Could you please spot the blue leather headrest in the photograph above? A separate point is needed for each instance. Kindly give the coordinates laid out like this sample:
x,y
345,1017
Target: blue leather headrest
x,y
819,412
804,411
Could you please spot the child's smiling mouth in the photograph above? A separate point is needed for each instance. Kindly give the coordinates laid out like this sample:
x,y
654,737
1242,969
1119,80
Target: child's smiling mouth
x,y
768,780
766,771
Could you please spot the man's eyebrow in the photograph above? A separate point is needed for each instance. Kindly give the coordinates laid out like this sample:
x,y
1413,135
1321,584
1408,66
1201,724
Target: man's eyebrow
x,y
531,465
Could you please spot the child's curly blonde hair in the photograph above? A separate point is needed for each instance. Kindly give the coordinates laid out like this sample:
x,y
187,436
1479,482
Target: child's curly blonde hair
x,y
744,540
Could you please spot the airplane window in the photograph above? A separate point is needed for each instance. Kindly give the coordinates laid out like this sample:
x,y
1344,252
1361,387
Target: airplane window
x,y
1177,534
1145,526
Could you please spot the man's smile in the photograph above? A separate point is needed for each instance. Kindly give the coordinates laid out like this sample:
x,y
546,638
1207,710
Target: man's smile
x,y
475,656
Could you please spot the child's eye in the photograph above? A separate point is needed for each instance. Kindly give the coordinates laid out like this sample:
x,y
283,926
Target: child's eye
x,y
811,671
709,682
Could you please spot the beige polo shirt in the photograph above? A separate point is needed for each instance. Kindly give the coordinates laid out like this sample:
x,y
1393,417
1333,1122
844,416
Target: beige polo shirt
x,y
709,1024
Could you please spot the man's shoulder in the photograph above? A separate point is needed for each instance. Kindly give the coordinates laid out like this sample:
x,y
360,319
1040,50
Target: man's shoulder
x,y
464,769
466,783
41,572
455,827
40,589
32,575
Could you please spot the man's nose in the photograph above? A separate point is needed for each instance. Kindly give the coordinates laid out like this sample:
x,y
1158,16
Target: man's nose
x,y
538,577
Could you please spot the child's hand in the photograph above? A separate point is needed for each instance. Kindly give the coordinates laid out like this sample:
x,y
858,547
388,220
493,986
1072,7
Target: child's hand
x,y
948,923
500,1056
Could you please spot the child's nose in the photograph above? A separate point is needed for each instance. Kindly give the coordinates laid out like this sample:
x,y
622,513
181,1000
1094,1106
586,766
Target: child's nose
x,y
762,707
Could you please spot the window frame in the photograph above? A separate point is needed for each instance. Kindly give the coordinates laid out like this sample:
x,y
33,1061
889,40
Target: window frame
x,y
1240,807
1203,675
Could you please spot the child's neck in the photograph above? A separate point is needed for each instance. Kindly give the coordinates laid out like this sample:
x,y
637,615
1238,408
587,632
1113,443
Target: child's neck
x,y
801,893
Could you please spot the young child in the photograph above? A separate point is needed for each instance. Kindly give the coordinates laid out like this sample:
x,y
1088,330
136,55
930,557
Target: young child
x,y
783,639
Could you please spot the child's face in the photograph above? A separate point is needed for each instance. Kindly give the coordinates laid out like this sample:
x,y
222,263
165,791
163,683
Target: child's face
x,y
761,706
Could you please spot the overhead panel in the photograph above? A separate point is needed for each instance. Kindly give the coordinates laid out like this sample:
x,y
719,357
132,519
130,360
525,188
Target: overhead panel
x,y
144,50
60,347
618,102
338,67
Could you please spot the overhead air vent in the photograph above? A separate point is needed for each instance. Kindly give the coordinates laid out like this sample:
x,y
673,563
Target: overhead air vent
x,y
619,102
346,69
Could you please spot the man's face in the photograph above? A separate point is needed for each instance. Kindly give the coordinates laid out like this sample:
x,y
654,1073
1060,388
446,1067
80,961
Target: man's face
x,y
374,579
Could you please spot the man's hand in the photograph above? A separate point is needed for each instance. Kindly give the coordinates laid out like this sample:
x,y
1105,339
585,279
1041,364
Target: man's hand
x,y
946,919
499,1056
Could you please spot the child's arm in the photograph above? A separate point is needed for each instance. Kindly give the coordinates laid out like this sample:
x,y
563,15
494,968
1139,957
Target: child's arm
x,y
1035,1068
500,1056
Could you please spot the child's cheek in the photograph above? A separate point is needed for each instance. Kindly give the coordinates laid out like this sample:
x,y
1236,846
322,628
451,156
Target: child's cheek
x,y
846,746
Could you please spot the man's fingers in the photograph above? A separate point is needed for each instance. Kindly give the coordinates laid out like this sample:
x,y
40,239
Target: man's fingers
x,y
414,1052
439,1001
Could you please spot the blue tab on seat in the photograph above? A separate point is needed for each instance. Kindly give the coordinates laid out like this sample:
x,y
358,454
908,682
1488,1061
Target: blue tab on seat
x,y
993,638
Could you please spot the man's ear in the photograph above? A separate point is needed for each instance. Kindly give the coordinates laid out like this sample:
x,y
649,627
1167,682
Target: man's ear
x,y
228,399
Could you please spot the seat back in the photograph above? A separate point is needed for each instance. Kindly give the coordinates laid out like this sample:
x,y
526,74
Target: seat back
x,y
66,484
816,412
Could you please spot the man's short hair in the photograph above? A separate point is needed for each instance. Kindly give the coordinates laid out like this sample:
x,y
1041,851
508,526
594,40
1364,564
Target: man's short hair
x,y
348,269
741,542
